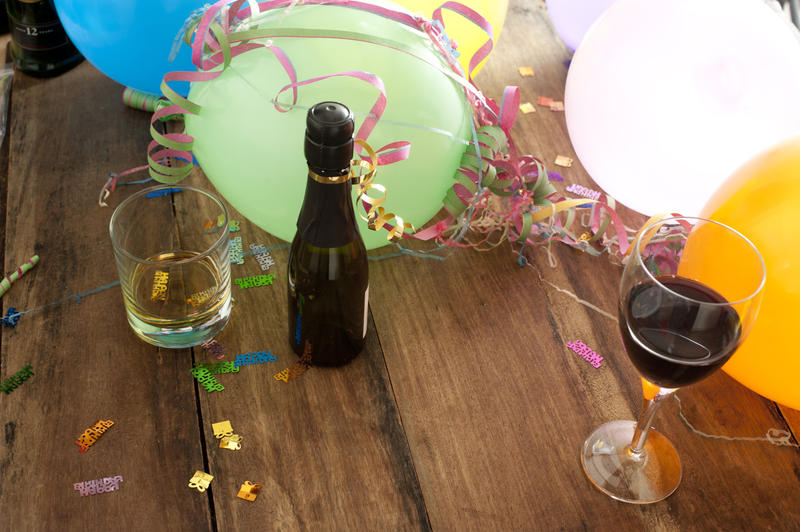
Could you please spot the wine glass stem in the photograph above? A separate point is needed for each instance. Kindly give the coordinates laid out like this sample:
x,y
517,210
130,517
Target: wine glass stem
x,y
644,424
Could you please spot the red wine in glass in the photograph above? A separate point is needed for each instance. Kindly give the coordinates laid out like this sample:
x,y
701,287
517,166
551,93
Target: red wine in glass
x,y
677,336
677,329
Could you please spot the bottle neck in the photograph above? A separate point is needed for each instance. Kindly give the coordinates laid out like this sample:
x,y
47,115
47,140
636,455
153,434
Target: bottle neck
x,y
326,218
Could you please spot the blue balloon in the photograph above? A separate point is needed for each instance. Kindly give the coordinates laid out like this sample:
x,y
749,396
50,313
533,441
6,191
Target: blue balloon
x,y
130,40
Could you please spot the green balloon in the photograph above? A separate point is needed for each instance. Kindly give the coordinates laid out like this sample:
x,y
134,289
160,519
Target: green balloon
x,y
254,154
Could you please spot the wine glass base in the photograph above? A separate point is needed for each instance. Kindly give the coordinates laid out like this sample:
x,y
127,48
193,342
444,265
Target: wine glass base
x,y
648,477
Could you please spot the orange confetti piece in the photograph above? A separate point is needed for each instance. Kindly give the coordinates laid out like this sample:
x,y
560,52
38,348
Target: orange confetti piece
x,y
563,160
557,106
249,491
527,107
526,71
545,101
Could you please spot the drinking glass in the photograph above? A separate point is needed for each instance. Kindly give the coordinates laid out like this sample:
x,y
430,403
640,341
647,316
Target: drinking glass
x,y
171,244
689,294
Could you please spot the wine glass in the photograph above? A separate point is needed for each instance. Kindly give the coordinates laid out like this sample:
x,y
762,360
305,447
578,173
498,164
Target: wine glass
x,y
689,295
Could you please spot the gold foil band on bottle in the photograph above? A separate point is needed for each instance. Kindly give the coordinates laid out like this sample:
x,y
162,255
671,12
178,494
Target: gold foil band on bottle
x,y
334,180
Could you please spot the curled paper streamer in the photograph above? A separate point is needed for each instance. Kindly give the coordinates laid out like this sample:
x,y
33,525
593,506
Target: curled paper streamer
x,y
5,284
496,193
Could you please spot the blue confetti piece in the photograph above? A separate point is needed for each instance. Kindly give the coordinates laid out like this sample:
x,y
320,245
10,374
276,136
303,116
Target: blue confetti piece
x,y
162,192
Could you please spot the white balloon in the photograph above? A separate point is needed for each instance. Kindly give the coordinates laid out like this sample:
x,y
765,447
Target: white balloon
x,y
664,100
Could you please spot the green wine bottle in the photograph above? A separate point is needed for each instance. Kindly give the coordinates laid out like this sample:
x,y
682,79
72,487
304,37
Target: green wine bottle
x,y
328,273
39,45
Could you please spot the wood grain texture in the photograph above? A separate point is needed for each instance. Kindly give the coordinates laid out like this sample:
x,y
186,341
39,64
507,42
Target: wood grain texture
x,y
327,447
466,410
495,406
66,135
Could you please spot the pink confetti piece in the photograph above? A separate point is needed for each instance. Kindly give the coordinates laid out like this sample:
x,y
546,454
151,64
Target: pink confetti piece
x,y
100,485
580,190
586,353
214,347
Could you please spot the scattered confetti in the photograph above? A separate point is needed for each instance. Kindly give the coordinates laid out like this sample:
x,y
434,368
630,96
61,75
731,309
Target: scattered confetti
x,y
100,485
555,176
218,367
298,368
160,280
207,380
527,108
212,226
544,101
263,256
5,284
222,428
92,434
198,298
260,357
580,190
563,160
236,250
249,491
254,280
234,226
557,106
214,347
586,353
200,481
232,442
526,71
11,383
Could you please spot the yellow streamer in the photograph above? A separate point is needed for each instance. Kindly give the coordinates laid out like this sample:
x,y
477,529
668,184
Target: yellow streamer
x,y
377,216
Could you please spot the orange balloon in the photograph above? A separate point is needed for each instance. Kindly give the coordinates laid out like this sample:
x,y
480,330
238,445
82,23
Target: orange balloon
x,y
762,201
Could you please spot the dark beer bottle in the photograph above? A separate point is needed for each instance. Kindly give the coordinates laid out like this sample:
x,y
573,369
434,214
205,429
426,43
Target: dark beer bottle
x,y
328,272
39,45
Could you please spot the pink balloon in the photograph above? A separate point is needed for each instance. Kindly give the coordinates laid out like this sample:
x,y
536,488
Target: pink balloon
x,y
572,18
665,99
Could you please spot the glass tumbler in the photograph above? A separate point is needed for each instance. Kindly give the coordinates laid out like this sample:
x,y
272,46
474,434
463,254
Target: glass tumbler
x,y
171,245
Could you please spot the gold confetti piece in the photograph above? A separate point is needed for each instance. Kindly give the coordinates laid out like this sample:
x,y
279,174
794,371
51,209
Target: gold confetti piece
x,y
160,280
545,101
526,71
557,106
527,107
232,442
200,481
249,491
563,160
223,428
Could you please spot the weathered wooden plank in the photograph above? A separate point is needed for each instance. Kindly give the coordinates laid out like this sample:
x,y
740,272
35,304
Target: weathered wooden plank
x,y
328,447
495,406
66,134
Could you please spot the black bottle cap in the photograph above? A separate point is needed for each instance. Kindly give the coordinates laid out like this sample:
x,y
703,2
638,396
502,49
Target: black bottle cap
x,y
329,136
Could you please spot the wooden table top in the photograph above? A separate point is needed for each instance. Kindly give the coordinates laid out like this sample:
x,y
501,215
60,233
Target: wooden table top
x,y
466,411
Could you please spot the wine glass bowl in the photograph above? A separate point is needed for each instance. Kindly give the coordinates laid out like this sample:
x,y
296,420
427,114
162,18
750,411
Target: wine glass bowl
x,y
688,296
